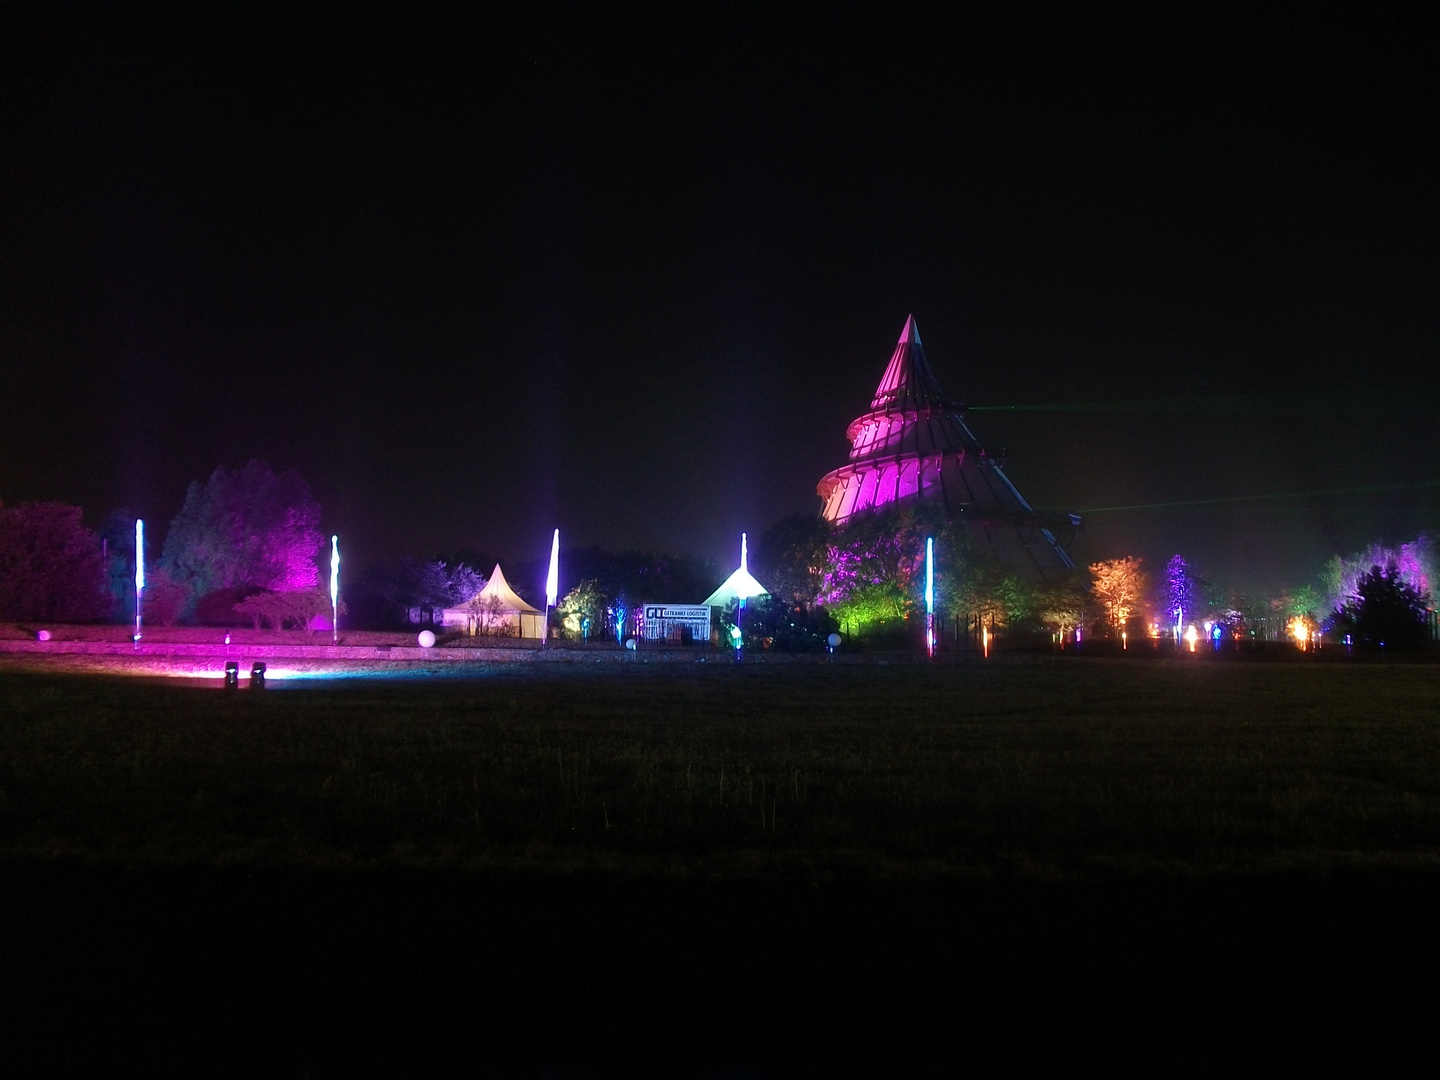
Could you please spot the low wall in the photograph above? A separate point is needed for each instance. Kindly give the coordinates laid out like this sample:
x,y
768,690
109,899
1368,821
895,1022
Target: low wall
x,y
291,660
276,651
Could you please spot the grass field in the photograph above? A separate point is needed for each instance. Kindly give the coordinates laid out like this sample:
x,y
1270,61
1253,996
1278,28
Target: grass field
x,y
1025,768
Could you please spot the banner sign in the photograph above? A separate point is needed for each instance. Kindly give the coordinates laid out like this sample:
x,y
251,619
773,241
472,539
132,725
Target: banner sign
x,y
675,622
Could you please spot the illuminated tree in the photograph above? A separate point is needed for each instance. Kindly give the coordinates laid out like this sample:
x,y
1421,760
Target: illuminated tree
x,y
1387,611
490,613
247,527
464,581
412,590
582,605
1414,561
873,570
1063,607
1118,585
772,622
164,600
1180,599
299,607
1304,601
873,567
790,557
117,536
983,587
50,565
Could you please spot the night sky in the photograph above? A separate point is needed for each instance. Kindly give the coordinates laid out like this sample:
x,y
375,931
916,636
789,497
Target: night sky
x,y
631,270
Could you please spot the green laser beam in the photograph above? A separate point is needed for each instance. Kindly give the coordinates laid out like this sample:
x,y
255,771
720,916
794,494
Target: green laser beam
x,y
1370,489
1227,405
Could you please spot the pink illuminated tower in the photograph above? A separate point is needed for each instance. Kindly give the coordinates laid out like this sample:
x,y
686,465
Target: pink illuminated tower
x,y
914,444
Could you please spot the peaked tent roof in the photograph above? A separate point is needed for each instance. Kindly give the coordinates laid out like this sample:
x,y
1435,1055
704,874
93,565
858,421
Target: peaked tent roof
x,y
915,444
499,587
738,584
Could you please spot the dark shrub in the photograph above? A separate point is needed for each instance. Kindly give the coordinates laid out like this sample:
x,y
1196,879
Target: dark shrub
x,y
1386,612
217,608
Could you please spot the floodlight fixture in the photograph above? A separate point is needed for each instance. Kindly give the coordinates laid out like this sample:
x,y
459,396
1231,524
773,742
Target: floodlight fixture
x,y
257,675
232,675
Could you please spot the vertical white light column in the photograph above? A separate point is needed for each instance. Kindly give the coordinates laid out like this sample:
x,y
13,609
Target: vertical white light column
x,y
552,585
334,589
930,596
139,573
740,611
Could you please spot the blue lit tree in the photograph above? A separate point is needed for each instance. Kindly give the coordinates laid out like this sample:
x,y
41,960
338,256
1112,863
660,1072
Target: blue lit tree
x,y
1180,591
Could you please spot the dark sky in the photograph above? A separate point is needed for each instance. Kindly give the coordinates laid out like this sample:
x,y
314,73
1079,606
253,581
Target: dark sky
x,y
631,270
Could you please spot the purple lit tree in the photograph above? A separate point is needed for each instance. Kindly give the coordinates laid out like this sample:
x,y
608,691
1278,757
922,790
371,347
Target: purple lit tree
x,y
1414,562
867,571
1387,612
872,570
412,591
1180,593
247,527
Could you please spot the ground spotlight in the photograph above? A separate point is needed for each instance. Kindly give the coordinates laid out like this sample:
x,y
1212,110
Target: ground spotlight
x,y
232,675
257,675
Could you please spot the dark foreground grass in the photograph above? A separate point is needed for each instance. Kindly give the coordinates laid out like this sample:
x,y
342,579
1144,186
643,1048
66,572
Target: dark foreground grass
x,y
1037,768
717,872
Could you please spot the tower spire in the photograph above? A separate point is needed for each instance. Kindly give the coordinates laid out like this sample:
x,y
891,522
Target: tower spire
x,y
913,444
908,382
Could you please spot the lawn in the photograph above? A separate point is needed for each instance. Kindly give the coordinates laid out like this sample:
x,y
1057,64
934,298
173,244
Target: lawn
x,y
1038,768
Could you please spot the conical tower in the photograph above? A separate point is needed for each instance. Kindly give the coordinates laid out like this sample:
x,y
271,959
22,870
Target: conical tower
x,y
914,444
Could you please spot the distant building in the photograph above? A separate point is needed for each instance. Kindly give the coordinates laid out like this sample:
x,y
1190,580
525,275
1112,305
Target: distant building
x,y
914,444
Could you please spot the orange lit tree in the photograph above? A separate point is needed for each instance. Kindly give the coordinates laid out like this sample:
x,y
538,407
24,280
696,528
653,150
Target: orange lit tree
x,y
1119,586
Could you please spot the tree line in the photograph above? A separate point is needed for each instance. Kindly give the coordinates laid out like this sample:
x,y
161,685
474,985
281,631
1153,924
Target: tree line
x,y
246,544
243,533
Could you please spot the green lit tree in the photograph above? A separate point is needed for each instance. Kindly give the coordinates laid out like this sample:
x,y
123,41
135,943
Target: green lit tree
x,y
582,609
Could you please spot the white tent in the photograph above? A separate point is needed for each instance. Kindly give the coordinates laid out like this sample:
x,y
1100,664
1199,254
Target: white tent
x,y
496,609
738,584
